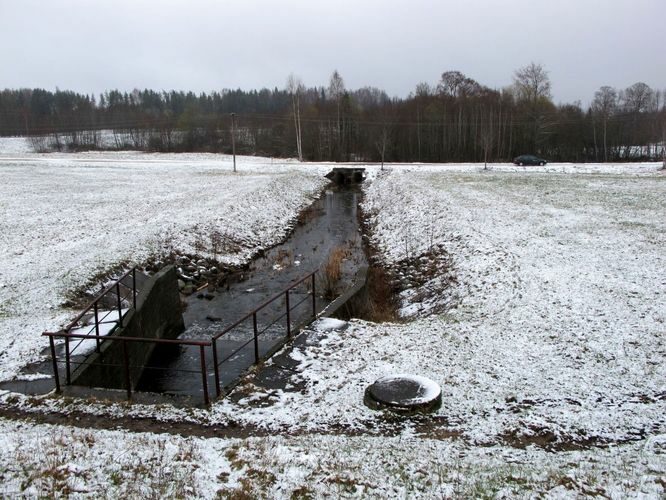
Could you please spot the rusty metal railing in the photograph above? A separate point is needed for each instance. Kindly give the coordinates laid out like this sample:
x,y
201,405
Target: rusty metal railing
x,y
109,318
311,295
70,334
126,362
102,321
106,313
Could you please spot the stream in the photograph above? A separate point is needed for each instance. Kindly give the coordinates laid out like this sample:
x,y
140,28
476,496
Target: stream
x,y
329,226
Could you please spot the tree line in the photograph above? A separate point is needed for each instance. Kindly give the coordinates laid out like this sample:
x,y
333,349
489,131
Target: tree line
x,y
455,119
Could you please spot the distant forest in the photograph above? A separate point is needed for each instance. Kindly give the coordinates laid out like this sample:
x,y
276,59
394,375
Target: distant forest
x,y
458,119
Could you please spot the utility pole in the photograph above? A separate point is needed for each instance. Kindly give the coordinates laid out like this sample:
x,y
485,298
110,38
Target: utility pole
x,y
233,137
663,145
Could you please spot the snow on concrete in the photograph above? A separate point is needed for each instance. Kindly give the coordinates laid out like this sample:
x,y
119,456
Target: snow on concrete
x,y
81,347
325,324
426,390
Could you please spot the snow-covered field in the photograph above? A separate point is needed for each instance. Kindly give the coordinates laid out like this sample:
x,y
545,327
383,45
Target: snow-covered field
x,y
52,461
551,355
66,218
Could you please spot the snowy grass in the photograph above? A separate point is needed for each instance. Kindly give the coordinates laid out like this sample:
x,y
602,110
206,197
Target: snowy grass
x,y
408,467
553,330
44,461
558,325
58,461
67,218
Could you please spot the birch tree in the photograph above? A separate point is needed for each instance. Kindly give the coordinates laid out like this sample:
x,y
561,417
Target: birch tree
x,y
295,89
604,106
382,142
336,90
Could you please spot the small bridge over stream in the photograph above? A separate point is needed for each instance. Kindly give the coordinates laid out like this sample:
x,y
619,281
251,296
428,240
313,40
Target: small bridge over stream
x,y
136,319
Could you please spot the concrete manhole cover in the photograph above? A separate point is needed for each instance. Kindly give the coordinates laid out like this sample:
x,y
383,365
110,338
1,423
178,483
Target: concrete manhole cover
x,y
404,394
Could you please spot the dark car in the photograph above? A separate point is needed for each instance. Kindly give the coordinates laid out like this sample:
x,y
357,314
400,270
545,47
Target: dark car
x,y
528,160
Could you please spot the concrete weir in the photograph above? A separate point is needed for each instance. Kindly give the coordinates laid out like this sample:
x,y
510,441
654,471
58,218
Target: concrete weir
x,y
157,316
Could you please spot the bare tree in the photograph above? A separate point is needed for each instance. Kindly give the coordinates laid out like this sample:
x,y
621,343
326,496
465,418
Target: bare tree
x,y
423,89
336,89
663,137
604,106
532,86
663,145
421,95
382,142
532,83
295,88
456,84
638,98
487,138
369,97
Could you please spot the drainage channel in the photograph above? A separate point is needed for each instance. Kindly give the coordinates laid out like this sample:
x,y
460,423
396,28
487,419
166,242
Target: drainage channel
x,y
329,235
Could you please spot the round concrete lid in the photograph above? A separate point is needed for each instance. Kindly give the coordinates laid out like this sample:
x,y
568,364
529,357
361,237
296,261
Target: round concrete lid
x,y
404,393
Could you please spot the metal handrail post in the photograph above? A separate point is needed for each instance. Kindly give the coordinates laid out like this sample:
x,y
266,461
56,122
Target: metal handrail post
x,y
96,307
56,375
67,367
134,286
120,309
256,338
286,297
218,390
204,377
128,380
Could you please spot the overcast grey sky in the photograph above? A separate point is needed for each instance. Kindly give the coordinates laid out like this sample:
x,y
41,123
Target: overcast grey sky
x,y
204,45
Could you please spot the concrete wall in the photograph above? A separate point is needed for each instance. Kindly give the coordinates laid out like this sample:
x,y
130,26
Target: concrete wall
x,y
158,314
353,302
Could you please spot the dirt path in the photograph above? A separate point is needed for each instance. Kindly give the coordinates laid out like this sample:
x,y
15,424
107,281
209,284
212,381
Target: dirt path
x,y
427,427
431,427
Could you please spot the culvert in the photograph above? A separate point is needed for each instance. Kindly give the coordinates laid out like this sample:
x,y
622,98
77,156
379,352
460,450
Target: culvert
x,y
346,175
